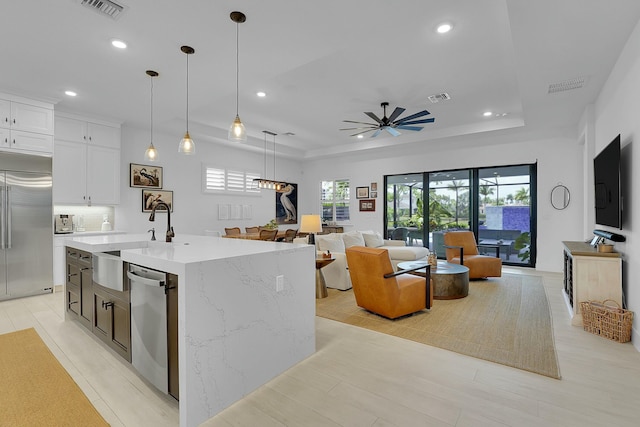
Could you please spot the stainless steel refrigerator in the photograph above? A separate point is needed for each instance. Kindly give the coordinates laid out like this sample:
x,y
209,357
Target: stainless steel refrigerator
x,y
26,225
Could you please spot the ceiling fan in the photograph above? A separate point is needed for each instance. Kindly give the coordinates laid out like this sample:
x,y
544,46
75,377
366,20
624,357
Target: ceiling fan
x,y
390,124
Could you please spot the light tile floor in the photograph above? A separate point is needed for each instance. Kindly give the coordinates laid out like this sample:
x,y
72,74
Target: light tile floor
x,y
362,378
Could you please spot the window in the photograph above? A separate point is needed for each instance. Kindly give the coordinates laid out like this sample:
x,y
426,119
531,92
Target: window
x,y
335,200
218,180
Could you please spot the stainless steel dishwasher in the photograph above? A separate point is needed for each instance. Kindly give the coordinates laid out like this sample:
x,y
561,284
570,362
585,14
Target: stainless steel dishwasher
x,y
149,324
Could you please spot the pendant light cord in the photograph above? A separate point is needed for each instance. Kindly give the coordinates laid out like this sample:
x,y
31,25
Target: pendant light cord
x,y
187,93
151,77
274,156
237,66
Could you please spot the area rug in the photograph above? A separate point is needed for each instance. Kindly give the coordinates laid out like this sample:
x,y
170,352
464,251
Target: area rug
x,y
36,390
505,320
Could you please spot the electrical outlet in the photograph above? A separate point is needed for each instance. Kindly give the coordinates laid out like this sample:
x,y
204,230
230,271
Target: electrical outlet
x,y
279,283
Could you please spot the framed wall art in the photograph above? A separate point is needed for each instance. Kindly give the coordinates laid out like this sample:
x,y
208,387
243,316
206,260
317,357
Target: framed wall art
x,y
144,176
287,204
373,194
362,192
151,197
368,205
374,186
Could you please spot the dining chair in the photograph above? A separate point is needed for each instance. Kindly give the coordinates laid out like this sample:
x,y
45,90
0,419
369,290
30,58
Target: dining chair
x,y
289,235
232,231
268,235
252,230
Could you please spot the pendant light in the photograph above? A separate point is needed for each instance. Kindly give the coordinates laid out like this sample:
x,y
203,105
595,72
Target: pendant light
x,y
187,146
269,184
236,131
151,155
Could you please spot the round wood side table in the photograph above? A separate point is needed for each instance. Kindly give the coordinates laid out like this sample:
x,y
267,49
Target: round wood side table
x,y
321,286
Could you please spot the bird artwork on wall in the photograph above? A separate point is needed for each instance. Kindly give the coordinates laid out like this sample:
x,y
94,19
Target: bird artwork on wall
x,y
287,204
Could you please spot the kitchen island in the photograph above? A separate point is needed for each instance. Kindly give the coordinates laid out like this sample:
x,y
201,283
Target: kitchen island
x,y
246,311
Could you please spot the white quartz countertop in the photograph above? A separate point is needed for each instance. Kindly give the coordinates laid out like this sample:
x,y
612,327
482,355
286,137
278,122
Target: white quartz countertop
x,y
172,257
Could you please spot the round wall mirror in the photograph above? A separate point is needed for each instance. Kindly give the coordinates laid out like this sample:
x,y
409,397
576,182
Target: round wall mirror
x,y
560,197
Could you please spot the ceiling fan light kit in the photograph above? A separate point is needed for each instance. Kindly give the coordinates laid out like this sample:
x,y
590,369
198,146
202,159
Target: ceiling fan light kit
x,y
237,131
391,124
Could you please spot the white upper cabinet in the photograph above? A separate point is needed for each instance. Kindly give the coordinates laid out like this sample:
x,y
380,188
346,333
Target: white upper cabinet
x,y
25,125
31,118
74,130
86,162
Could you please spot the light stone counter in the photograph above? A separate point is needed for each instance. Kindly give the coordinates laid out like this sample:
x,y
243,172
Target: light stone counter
x,y
236,330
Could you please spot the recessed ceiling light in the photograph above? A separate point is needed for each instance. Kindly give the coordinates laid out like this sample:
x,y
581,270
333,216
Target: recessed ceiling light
x,y
444,28
360,136
261,94
70,93
487,114
118,43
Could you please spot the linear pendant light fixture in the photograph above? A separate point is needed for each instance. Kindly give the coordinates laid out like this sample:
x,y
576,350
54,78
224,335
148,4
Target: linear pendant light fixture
x,y
269,184
236,131
151,154
187,146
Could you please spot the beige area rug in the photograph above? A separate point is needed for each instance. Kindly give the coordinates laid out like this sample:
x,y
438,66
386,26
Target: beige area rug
x,y
36,390
505,320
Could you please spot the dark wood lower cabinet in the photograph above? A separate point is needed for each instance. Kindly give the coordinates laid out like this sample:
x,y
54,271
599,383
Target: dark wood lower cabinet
x,y
112,319
172,334
79,292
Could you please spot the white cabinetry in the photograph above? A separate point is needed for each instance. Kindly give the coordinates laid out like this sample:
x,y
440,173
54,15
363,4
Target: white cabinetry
x,y
59,260
25,125
86,164
590,275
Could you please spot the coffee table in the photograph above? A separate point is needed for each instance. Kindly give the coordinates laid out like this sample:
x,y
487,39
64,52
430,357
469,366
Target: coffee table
x,y
450,281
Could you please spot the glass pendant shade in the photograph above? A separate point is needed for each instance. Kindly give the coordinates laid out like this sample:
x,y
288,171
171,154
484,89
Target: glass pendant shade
x,y
187,146
236,131
151,155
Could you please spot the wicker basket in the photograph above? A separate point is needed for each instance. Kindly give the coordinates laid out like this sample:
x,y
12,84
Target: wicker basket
x,y
612,322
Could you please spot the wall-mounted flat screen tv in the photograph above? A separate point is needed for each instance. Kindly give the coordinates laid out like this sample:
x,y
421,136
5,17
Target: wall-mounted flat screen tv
x,y
606,171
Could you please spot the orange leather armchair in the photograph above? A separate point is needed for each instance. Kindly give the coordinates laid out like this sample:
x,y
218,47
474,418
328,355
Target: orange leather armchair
x,y
461,249
379,289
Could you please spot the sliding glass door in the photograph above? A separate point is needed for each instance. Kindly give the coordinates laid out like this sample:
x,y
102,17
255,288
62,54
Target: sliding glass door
x,y
496,203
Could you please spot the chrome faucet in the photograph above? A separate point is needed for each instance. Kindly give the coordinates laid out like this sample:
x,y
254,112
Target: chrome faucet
x,y
170,234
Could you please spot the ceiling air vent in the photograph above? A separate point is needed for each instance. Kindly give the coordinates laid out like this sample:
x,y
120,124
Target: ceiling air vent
x,y
570,84
105,7
444,96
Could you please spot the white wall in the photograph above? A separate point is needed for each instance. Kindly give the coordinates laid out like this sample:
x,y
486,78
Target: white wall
x,y
558,157
194,211
617,112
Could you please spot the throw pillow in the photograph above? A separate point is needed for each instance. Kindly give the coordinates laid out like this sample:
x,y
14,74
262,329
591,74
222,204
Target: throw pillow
x,y
352,238
330,242
373,240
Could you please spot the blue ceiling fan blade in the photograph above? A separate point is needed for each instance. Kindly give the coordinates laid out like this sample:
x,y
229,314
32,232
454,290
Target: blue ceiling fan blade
x,y
396,113
392,131
376,133
414,116
374,117
417,122
405,127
